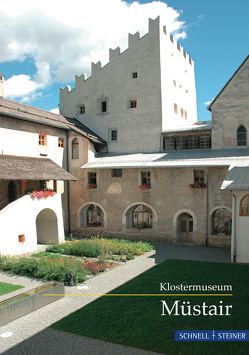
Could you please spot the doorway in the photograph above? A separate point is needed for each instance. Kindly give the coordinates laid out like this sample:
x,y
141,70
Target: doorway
x,y
185,228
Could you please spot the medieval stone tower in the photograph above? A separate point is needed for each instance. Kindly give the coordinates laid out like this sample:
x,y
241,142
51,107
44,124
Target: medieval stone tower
x,y
147,89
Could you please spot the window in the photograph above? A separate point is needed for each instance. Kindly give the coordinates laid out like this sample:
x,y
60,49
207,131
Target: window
x,y
75,149
169,143
241,136
145,177
175,108
42,139
82,110
181,142
95,216
182,112
142,217
244,206
174,83
134,75
116,172
43,185
186,116
193,141
221,222
133,103
112,135
92,178
61,142
103,106
198,176
205,141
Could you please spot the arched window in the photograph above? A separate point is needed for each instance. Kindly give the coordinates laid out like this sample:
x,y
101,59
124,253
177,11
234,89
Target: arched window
x,y
75,149
222,222
95,216
244,206
241,136
142,217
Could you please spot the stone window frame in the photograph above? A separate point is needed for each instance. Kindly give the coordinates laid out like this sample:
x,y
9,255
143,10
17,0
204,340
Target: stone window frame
x,y
244,205
82,109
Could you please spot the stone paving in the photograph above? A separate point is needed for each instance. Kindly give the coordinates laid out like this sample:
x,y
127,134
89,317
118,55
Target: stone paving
x,y
31,335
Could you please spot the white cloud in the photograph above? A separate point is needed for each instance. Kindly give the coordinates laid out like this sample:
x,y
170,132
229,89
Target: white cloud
x,y
63,38
55,110
208,102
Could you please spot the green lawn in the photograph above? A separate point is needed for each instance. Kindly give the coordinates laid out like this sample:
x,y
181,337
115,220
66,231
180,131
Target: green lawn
x,y
6,288
136,321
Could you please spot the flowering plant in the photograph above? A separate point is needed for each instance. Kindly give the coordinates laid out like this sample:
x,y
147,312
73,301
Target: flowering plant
x,y
144,186
41,194
199,185
21,238
94,224
92,186
223,231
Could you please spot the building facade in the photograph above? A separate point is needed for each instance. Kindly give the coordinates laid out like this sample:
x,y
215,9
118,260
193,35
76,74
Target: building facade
x,y
161,176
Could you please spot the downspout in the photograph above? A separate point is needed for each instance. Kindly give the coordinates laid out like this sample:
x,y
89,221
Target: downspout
x,y
233,241
68,188
207,208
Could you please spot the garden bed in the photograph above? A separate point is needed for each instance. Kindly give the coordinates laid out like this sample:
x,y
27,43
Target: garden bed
x,y
54,267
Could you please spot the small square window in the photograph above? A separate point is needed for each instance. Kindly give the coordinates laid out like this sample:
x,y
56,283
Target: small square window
x,y
82,110
103,106
134,75
61,142
133,104
42,139
116,172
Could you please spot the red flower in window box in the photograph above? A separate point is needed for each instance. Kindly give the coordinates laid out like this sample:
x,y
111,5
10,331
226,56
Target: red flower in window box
x,y
144,187
92,186
21,239
198,185
40,193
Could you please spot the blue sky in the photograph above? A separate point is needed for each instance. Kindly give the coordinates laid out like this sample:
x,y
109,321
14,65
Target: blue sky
x,y
44,44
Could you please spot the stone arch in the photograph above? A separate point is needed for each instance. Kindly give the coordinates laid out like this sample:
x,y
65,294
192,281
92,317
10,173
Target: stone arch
x,y
82,214
13,191
46,226
184,210
127,215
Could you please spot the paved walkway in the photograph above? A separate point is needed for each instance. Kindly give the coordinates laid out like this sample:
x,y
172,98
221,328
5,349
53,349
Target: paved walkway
x,y
31,335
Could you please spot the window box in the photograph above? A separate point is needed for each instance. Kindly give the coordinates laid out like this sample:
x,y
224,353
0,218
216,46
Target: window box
x,y
21,238
199,185
144,187
92,186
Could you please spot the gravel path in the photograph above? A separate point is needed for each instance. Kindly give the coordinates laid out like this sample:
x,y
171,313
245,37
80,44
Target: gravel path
x,y
30,334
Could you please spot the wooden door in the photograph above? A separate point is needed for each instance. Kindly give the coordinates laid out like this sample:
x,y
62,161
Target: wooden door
x,y
185,231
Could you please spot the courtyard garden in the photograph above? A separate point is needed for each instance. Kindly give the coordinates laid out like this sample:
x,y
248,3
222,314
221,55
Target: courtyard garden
x,y
138,321
55,263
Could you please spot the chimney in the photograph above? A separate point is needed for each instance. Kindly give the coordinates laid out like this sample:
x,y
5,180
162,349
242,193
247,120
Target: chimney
x,y
1,84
